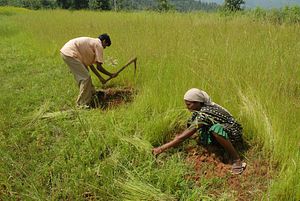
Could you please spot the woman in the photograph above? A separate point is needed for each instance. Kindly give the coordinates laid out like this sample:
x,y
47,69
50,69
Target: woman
x,y
214,124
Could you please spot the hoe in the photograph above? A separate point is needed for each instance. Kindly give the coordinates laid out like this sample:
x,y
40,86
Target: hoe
x,y
70,113
133,60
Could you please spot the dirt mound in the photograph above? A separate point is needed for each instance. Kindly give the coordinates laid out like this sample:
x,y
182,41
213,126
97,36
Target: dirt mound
x,y
112,97
208,162
215,167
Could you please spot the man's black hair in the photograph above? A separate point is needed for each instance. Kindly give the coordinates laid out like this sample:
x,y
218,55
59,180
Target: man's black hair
x,y
105,37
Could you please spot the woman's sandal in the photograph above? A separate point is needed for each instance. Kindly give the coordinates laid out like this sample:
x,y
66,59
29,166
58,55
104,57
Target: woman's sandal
x,y
238,167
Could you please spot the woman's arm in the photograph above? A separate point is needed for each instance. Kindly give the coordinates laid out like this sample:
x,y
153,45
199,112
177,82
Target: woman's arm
x,y
177,140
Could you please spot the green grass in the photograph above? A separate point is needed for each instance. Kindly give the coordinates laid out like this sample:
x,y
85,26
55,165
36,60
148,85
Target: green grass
x,y
249,67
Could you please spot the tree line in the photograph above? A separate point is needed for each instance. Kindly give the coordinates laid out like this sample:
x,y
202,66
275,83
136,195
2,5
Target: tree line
x,y
161,5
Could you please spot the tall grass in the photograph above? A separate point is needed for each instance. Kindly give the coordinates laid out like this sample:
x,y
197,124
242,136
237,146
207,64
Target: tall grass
x,y
251,68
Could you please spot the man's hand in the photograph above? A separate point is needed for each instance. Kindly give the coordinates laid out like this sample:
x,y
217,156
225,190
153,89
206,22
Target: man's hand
x,y
113,75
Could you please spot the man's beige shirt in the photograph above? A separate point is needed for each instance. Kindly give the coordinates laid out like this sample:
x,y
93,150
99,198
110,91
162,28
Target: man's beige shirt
x,y
85,49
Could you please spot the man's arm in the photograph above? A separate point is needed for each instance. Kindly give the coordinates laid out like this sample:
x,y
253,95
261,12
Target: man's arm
x,y
102,70
177,140
102,80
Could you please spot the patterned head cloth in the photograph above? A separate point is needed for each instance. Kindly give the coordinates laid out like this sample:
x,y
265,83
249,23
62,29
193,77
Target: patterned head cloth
x,y
197,95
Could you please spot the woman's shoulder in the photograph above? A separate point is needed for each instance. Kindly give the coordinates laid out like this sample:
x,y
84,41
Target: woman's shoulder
x,y
199,115
215,109
194,114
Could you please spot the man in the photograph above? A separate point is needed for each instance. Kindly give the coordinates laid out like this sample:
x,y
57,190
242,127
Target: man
x,y
80,54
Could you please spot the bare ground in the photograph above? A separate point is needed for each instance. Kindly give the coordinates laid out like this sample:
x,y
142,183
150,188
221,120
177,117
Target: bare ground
x,y
113,97
213,168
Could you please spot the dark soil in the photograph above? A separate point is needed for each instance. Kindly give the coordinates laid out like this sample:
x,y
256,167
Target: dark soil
x,y
212,167
112,97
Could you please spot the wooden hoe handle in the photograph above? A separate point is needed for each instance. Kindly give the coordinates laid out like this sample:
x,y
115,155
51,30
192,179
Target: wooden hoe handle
x,y
133,60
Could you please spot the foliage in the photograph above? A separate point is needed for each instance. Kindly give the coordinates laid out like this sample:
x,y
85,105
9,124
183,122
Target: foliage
x,y
278,16
94,4
75,4
191,5
3,2
233,5
162,5
33,4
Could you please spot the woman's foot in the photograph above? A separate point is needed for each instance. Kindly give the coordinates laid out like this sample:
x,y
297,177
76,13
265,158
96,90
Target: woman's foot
x,y
238,167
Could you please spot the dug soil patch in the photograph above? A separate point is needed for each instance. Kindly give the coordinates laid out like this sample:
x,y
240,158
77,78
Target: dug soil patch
x,y
213,171
112,97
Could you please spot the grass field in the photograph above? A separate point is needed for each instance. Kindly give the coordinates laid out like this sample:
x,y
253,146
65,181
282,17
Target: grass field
x,y
250,67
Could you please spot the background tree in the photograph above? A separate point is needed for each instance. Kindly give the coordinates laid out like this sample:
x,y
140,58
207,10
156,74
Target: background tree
x,y
105,4
164,5
49,3
94,4
65,4
80,4
192,5
233,5
3,2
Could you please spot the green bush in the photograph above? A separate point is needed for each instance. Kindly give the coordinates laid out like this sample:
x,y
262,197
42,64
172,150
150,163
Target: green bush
x,y
277,16
292,14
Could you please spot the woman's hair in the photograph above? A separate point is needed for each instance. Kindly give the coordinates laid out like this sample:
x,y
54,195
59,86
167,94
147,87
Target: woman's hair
x,y
105,37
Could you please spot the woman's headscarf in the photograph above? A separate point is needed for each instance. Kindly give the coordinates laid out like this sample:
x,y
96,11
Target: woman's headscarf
x,y
197,95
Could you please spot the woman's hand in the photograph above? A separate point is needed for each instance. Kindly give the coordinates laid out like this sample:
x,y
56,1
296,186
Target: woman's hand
x,y
156,151
103,81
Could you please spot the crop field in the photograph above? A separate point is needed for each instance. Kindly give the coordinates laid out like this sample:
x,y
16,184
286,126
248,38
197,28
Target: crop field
x,y
50,150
